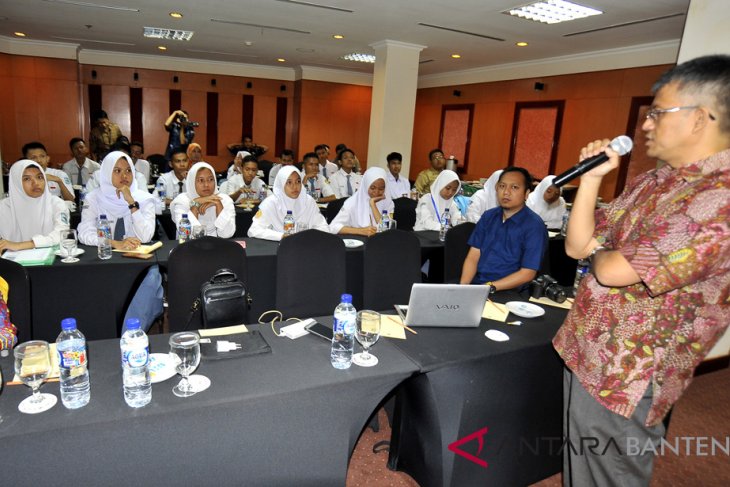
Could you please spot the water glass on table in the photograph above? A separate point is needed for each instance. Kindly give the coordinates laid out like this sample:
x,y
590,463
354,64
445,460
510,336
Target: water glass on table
x,y
68,246
32,365
185,353
367,333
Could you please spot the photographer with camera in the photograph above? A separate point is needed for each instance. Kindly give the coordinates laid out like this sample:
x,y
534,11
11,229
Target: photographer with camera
x,y
181,131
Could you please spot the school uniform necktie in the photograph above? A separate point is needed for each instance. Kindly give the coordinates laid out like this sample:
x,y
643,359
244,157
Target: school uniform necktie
x,y
179,187
349,186
324,171
311,185
119,229
79,179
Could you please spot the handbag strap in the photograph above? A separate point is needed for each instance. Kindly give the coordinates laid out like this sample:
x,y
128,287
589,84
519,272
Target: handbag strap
x,y
193,309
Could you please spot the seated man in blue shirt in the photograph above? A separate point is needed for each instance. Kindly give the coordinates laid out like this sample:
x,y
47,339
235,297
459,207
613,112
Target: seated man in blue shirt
x,y
509,241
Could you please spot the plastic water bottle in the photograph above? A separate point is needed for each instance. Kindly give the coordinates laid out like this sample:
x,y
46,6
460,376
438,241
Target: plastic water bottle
x,y
184,228
583,268
72,361
343,336
82,197
564,227
135,365
161,193
445,224
289,223
384,222
104,241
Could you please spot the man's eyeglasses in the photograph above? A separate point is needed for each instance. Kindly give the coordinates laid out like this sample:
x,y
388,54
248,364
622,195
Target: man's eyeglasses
x,y
653,113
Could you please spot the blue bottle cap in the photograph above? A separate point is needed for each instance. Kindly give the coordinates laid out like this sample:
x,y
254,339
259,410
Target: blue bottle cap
x,y
68,324
346,298
184,215
102,216
288,212
133,324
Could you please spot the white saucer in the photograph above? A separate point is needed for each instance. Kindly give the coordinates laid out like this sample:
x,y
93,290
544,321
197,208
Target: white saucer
x,y
525,310
161,367
62,252
351,243
496,335
199,382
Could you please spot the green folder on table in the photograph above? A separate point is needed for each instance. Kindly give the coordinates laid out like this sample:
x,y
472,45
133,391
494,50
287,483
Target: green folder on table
x,y
29,257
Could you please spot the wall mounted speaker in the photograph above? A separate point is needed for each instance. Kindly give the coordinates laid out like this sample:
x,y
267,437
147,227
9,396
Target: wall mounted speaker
x,y
249,85
539,86
457,92
93,74
135,76
213,82
282,88
175,79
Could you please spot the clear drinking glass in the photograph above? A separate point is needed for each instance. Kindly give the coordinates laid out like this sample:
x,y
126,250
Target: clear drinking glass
x,y
368,332
32,365
68,244
185,352
300,227
198,231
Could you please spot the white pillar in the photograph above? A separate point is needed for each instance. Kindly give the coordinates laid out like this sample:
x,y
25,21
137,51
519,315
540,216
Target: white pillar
x,y
705,30
395,81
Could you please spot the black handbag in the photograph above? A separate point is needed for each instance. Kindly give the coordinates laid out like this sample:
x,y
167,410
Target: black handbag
x,y
223,301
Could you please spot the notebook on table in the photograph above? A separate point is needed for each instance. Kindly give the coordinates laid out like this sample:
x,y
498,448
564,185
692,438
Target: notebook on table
x,y
444,305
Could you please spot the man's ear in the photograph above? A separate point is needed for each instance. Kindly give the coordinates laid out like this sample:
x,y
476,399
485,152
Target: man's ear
x,y
527,193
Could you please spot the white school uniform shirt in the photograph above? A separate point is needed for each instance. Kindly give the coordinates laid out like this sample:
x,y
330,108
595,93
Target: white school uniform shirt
x,y
551,214
104,201
24,218
71,168
268,223
398,188
273,172
170,182
338,182
53,186
484,199
431,206
331,169
143,166
356,211
232,185
222,225
321,186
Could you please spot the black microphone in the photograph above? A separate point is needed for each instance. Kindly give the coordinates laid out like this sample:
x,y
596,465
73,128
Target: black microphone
x,y
621,144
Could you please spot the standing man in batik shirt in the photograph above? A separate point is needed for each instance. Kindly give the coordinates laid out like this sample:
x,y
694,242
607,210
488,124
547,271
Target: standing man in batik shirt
x,y
658,297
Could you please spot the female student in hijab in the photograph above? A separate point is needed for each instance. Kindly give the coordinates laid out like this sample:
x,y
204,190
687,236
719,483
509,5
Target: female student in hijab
x,y
547,202
236,166
130,211
484,199
360,215
31,216
431,206
203,204
268,224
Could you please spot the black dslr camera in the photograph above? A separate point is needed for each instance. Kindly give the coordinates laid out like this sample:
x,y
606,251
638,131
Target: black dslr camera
x,y
547,286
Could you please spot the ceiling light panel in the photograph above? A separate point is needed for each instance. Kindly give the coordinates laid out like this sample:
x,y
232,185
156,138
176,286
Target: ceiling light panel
x,y
552,11
171,34
359,57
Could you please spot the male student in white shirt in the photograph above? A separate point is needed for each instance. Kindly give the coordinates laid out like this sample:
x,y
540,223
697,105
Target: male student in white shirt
x,y
246,185
313,182
398,187
286,159
174,181
345,181
136,151
80,168
326,167
59,184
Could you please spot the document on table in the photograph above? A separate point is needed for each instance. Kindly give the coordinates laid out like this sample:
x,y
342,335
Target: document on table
x,y
142,249
567,304
391,326
41,256
226,330
495,311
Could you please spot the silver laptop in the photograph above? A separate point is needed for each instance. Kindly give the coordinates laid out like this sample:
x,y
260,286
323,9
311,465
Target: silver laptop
x,y
444,305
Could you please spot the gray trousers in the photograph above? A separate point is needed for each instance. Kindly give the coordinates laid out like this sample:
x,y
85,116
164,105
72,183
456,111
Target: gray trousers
x,y
595,451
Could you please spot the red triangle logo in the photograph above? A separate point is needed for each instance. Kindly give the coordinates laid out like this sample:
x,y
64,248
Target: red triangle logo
x,y
479,435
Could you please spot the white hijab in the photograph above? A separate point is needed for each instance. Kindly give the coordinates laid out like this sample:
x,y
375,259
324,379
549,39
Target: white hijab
x,y
303,208
110,203
191,193
22,216
490,189
444,178
551,214
358,205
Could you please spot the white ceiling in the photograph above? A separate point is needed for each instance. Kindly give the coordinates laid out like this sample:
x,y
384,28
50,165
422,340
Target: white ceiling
x,y
101,29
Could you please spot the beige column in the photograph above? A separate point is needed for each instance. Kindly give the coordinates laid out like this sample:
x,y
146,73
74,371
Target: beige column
x,y
395,82
705,30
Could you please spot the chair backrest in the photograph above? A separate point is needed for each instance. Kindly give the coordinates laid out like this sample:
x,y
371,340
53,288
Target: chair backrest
x,y
310,274
159,161
455,250
391,265
192,264
18,297
405,213
333,208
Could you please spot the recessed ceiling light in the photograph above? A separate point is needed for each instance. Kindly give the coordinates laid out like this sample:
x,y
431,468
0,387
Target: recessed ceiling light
x,y
176,15
171,34
456,56
521,44
281,60
338,36
552,11
359,57
19,34
162,48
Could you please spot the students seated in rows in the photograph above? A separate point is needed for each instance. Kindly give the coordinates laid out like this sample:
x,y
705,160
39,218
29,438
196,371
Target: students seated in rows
x,y
245,185
508,243
30,216
58,182
484,199
314,183
547,202
236,166
130,211
204,205
345,181
285,159
174,182
431,206
142,165
268,223
398,187
361,213
425,178
80,168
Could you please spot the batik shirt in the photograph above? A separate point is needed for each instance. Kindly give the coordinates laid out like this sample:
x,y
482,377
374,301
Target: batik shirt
x,y
673,227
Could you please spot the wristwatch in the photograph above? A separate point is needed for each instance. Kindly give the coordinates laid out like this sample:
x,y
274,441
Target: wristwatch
x,y
194,204
134,205
492,288
595,249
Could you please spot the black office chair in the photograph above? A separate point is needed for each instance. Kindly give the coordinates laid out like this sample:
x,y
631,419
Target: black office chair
x,y
455,250
18,297
391,265
159,161
192,264
405,213
310,274
333,208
